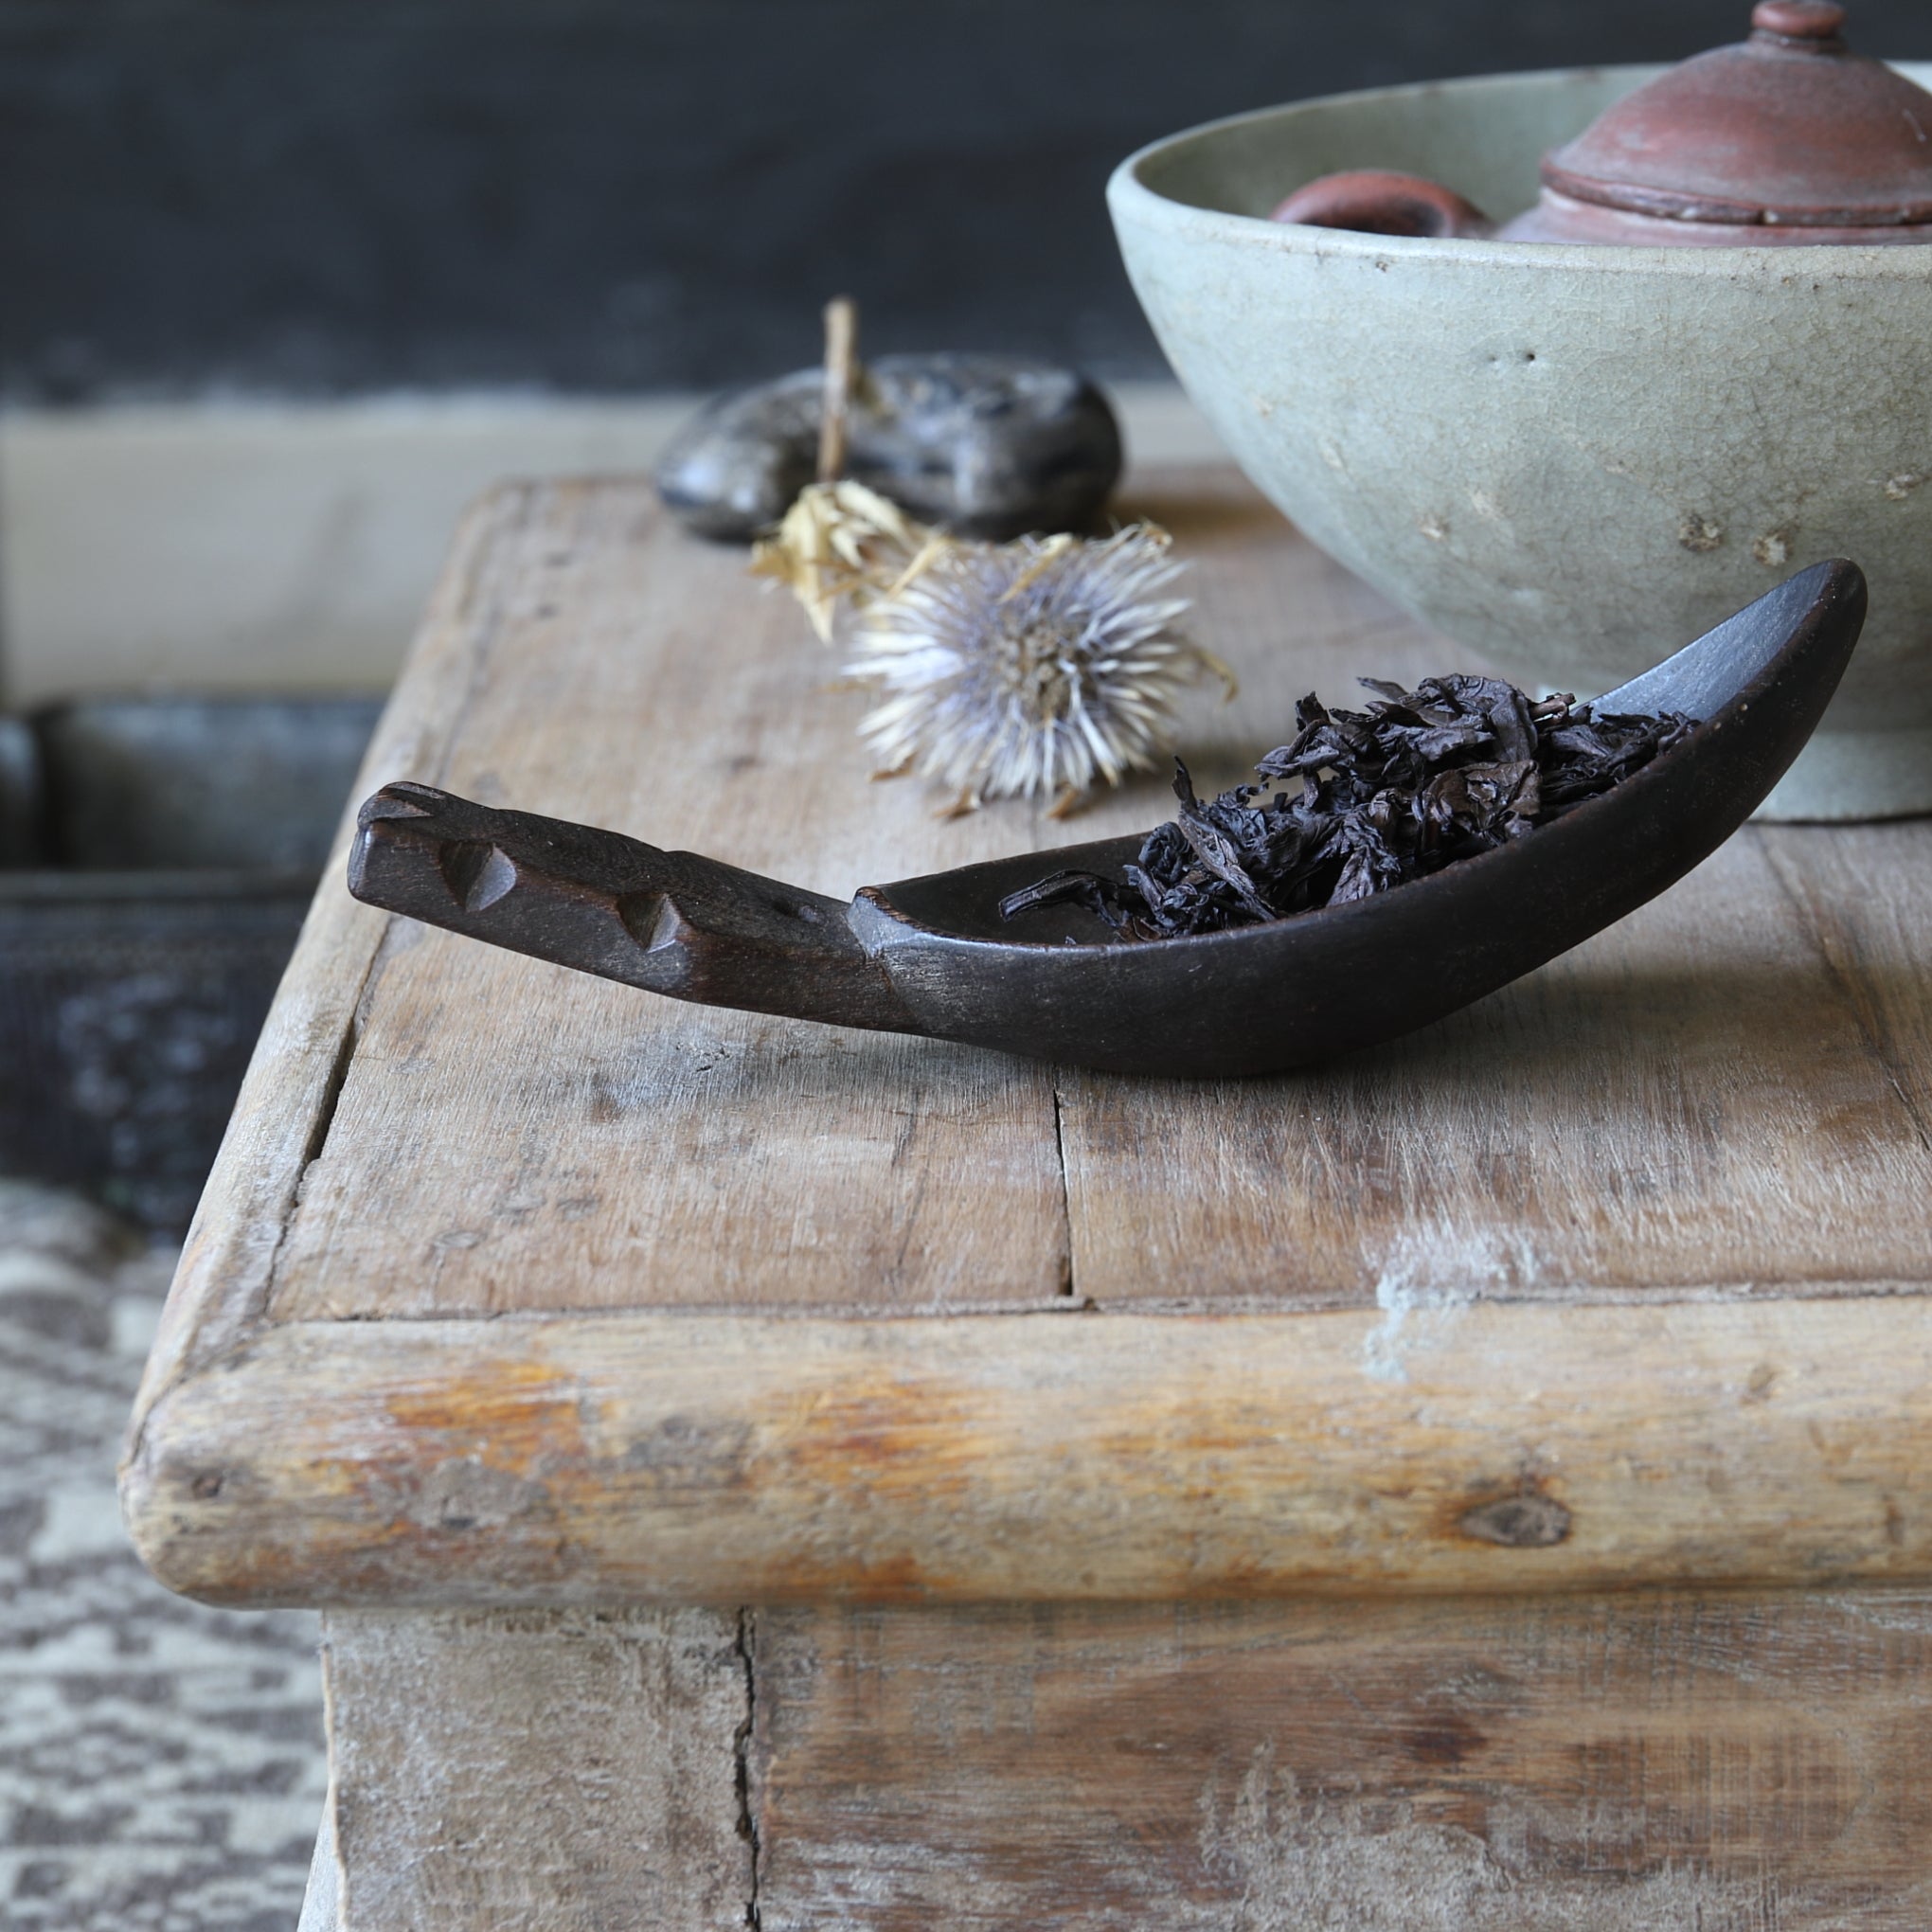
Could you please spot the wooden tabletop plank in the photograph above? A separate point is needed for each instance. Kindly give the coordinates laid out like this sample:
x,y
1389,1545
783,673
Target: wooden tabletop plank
x,y
1865,892
618,1152
511,1135
514,1135
1700,1101
680,1458
223,1287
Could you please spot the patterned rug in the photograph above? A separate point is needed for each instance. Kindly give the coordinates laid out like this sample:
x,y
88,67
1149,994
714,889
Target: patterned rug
x,y
161,1765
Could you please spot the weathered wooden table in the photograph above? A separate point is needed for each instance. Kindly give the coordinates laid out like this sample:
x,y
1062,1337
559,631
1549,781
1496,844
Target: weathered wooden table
x,y
760,1474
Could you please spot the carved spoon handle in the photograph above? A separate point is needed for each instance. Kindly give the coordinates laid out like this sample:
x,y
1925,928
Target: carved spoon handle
x,y
670,922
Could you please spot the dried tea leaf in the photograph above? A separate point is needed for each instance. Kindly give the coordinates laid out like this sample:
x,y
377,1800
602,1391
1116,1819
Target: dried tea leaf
x,y
1365,801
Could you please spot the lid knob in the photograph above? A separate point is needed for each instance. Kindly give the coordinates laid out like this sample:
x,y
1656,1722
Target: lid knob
x,y
1799,20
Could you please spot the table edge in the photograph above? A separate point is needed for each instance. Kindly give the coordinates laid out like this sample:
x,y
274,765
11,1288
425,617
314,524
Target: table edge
x,y
671,1457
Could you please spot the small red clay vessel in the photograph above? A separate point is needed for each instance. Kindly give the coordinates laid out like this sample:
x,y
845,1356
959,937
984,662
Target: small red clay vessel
x,y
1788,137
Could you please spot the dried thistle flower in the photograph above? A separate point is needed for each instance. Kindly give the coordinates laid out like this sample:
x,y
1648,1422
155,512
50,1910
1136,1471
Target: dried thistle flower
x,y
1031,669
1026,668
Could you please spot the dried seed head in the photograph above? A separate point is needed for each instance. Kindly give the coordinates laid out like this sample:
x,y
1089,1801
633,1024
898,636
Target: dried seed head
x,y
1037,668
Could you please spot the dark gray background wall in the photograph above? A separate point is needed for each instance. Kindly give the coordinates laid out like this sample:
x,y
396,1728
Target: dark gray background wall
x,y
323,196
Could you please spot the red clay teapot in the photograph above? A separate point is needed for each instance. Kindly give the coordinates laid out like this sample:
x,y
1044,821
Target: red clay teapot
x,y
1789,137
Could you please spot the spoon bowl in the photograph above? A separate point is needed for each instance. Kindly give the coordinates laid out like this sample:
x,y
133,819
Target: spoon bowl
x,y
933,955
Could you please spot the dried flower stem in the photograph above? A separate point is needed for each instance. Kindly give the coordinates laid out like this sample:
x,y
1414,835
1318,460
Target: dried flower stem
x,y
841,367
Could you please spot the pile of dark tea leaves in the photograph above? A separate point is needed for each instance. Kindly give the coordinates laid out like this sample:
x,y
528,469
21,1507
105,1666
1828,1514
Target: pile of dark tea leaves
x,y
1363,801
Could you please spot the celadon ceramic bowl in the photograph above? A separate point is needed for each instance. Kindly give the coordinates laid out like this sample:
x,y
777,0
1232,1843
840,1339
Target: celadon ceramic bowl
x,y
1571,459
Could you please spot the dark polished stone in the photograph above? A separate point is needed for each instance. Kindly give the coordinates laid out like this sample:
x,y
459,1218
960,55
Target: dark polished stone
x,y
989,446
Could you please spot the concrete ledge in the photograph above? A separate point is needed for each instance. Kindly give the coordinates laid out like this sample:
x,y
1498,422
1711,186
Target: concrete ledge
x,y
267,546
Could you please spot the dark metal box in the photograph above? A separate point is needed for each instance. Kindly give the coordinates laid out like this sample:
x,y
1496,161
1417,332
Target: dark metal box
x,y
156,858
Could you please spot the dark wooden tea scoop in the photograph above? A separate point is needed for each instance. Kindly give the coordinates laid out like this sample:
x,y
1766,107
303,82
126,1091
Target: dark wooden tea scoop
x,y
933,955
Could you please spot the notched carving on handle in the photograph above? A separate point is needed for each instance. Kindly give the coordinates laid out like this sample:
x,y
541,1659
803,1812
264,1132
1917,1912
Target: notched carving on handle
x,y
672,923
650,919
405,799
478,875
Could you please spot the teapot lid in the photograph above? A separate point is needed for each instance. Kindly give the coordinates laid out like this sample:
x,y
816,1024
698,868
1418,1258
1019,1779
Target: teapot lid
x,y
1788,127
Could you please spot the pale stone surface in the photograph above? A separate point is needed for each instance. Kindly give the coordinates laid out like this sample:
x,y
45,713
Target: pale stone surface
x,y
287,546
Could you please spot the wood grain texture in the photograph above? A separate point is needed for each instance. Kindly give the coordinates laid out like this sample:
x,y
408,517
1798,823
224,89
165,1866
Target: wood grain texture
x,y
1694,1103
593,1148
516,1296
546,1773
1724,1095
1643,1762
1639,1764
678,1458
1721,1103
1864,893
222,1287
590,1148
